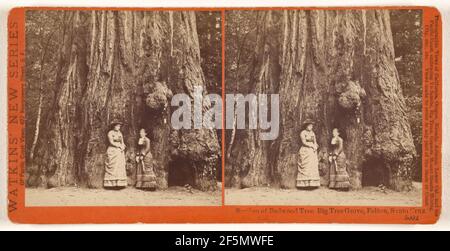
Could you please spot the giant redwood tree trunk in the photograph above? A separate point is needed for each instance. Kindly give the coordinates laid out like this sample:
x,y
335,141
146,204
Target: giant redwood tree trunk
x,y
337,68
123,65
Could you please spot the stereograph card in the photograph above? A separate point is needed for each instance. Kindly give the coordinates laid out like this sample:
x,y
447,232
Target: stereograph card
x,y
224,115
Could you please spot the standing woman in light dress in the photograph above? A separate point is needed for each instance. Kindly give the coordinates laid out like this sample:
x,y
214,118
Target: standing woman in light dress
x,y
115,166
308,177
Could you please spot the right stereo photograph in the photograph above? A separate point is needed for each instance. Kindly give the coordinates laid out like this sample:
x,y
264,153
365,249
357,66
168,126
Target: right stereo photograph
x,y
327,107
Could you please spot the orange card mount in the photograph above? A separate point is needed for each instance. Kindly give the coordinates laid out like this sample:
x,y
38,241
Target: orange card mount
x,y
224,115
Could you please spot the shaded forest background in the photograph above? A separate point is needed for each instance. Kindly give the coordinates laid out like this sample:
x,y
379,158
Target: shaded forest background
x,y
241,36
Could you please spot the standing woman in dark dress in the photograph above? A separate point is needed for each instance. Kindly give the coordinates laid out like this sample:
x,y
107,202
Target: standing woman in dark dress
x,y
339,178
145,175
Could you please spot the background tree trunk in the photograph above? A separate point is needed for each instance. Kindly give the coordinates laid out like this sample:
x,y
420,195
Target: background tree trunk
x,y
337,68
123,65
42,76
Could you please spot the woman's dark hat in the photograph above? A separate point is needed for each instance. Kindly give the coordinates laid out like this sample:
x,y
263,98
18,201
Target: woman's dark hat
x,y
115,122
308,122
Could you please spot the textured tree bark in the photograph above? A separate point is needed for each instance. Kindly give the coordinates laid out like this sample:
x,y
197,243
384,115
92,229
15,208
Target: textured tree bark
x,y
123,65
337,68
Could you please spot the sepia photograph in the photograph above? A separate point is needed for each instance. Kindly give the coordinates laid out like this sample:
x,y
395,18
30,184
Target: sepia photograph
x,y
218,115
98,96
348,92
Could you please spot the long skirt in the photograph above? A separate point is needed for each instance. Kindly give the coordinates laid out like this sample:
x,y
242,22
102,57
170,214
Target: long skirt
x,y
145,175
339,178
308,169
115,170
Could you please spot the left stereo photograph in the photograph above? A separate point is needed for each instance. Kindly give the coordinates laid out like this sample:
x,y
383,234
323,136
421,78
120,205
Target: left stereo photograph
x,y
102,90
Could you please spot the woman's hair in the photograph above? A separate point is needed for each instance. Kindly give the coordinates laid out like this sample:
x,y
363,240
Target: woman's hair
x,y
305,125
112,126
341,133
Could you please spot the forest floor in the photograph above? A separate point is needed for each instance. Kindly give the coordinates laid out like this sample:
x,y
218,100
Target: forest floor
x,y
72,196
179,196
368,196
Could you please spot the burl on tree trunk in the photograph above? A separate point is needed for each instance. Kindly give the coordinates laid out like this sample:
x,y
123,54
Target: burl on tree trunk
x,y
337,68
123,65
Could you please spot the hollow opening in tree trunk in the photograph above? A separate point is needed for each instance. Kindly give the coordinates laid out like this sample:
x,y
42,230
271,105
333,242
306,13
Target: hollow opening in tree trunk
x,y
374,173
181,173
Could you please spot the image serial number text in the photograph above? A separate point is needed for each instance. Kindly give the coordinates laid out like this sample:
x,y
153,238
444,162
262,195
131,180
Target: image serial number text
x,y
226,240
